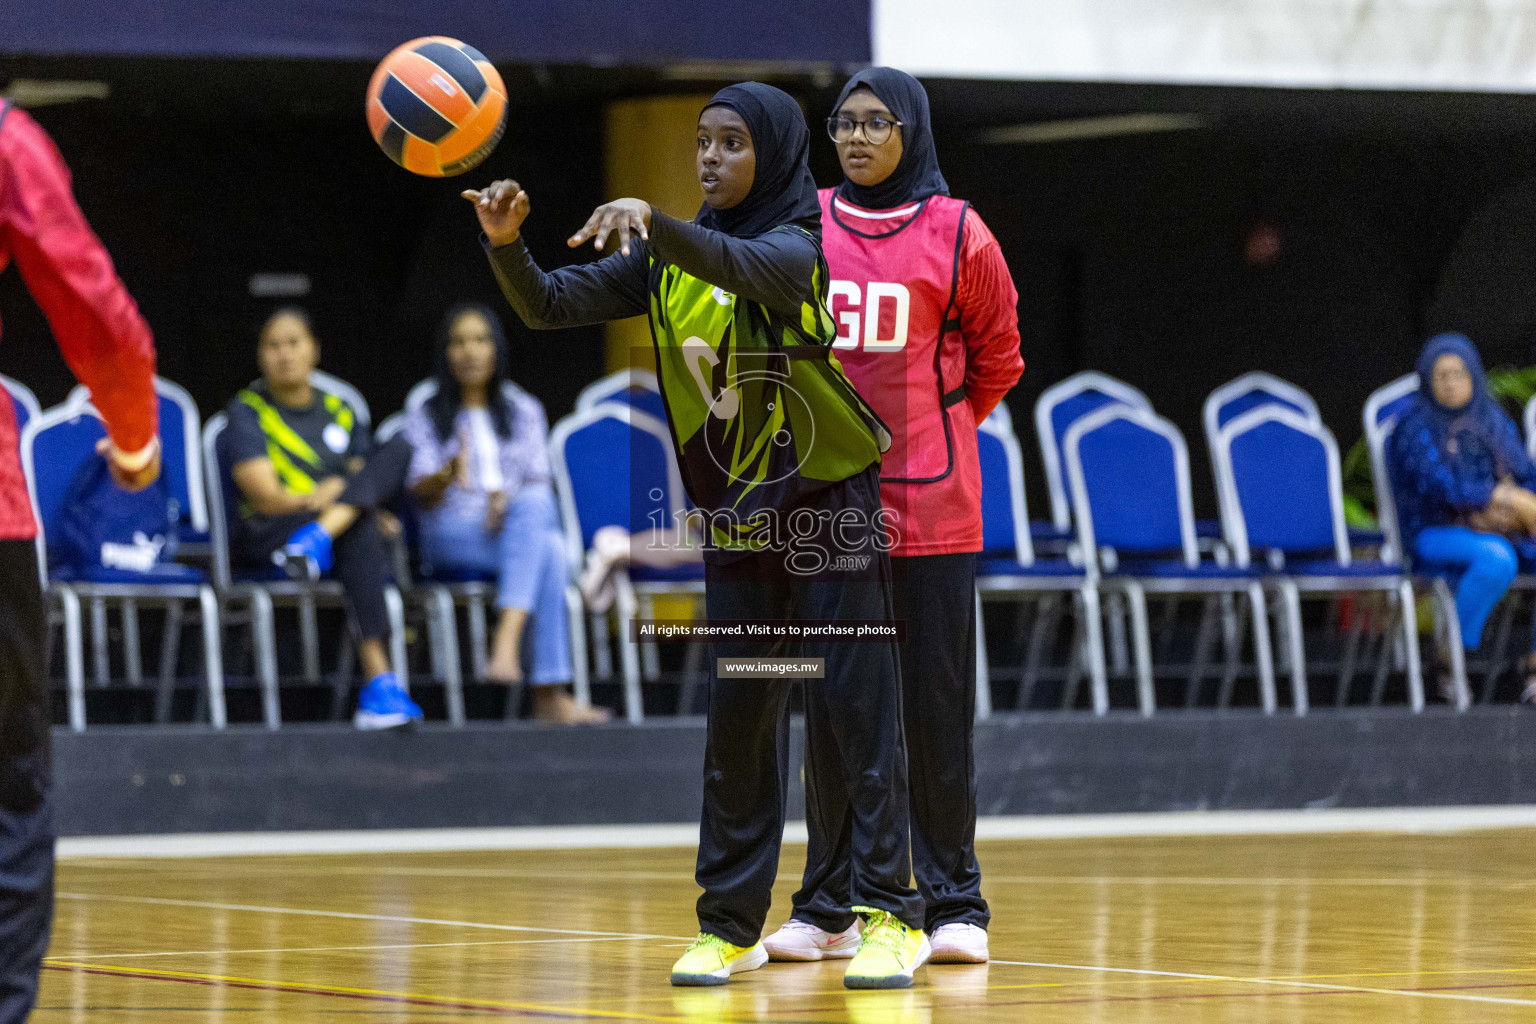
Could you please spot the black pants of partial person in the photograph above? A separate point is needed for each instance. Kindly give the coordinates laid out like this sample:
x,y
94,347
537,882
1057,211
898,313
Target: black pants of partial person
x,y
854,713
26,827
934,597
362,563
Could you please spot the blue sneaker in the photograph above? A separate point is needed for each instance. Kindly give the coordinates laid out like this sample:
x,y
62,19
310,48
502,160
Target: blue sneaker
x,y
307,553
384,704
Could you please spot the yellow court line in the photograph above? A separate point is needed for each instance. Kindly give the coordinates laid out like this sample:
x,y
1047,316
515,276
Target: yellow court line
x,y
1227,880
1413,974
340,949
351,916
571,1009
1454,996
304,987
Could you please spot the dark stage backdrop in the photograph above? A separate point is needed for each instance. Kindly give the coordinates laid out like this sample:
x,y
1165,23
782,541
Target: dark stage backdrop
x,y
192,198
1315,235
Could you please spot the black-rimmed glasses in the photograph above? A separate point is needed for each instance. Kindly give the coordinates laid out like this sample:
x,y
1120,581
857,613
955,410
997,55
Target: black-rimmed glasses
x,y
877,130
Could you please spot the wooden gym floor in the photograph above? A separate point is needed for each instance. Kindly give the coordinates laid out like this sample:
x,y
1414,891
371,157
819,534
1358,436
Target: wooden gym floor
x,y
1330,928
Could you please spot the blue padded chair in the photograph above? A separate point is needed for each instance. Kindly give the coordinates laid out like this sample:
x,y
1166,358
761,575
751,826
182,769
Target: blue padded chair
x,y
1247,392
633,386
54,447
1008,568
1282,506
1058,407
613,465
1250,391
258,591
1128,472
182,466
23,401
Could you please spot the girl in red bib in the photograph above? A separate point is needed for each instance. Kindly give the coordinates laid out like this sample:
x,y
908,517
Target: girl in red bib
x,y
928,333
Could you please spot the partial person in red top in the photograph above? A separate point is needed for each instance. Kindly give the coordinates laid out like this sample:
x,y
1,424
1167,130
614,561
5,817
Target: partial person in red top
x,y
109,347
928,333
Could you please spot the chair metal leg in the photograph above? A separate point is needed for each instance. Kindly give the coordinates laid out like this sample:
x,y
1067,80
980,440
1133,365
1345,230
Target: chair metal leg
x,y
576,626
1203,637
1278,628
629,655
650,653
99,660
1141,642
1119,659
1446,603
477,639
437,672
170,651
213,656
1290,600
1498,650
399,658
602,654
445,645
341,682
1411,646
693,672
74,655
264,640
1234,655
165,690
309,636
133,665
1231,623
1165,632
1384,657
1262,651
1047,622
1077,660
983,674
1093,643
1350,658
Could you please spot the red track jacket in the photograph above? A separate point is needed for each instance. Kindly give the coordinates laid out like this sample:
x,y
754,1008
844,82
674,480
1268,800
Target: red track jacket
x,y
98,327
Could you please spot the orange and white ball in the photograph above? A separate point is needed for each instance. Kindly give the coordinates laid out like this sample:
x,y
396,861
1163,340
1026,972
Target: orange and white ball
x,y
436,106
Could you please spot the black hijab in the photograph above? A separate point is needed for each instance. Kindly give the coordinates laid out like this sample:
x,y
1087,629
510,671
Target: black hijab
x,y
917,176
783,191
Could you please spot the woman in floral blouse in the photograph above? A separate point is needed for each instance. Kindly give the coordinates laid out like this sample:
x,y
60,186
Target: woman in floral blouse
x,y
480,474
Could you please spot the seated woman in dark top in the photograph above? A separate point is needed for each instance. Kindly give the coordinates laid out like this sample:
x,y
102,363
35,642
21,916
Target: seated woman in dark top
x,y
1463,484
310,487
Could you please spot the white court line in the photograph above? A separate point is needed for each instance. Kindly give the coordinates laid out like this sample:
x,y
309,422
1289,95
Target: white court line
x,y
1045,826
333,949
299,912
793,874
1457,996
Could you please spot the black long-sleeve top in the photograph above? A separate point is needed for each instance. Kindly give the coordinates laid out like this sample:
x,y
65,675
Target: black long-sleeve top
x,y
774,269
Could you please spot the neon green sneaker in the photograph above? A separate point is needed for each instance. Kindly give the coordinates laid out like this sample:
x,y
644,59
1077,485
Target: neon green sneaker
x,y
889,953
711,961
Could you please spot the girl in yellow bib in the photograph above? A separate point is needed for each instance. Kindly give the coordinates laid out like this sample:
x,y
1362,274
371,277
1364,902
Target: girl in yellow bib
x,y
782,458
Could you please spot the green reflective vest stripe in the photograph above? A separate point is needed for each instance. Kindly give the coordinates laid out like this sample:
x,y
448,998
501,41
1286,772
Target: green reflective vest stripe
x,y
760,410
292,457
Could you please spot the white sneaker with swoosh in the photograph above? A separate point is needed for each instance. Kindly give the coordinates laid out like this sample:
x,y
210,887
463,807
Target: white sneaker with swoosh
x,y
959,943
802,942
